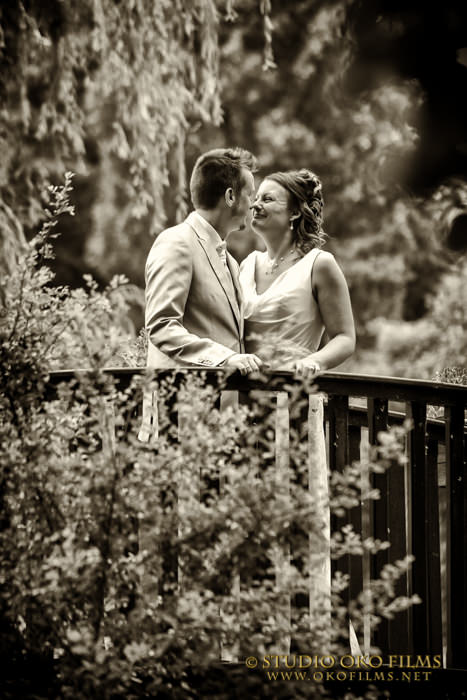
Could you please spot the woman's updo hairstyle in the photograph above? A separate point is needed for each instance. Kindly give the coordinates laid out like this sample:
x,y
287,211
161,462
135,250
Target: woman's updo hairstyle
x,y
306,198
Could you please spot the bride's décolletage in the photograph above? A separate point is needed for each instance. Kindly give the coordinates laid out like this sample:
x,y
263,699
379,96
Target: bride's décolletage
x,y
276,262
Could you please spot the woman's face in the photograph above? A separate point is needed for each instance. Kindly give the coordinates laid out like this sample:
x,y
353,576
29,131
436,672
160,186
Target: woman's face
x,y
271,212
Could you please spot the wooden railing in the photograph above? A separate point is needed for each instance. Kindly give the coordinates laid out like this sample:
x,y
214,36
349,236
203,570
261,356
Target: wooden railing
x,y
422,509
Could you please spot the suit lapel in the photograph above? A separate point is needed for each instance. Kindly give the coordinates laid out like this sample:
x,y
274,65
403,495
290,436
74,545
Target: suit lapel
x,y
223,277
233,267
225,280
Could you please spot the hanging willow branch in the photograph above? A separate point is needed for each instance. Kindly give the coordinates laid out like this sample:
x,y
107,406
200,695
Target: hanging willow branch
x,y
132,77
230,12
268,55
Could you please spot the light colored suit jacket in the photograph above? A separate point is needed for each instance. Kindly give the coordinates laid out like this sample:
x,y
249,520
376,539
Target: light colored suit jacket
x,y
194,314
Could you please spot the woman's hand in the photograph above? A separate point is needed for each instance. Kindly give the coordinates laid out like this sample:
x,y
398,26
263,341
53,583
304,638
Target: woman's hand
x,y
307,368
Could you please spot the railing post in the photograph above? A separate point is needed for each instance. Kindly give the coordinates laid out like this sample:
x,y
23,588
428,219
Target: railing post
x,y
456,491
379,524
338,421
418,525
355,518
434,552
397,517
338,408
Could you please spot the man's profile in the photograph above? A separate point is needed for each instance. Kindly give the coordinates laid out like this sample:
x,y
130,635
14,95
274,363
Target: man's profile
x,y
194,314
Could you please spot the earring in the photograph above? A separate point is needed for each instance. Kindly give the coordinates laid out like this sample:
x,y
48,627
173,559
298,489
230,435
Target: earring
x,y
291,224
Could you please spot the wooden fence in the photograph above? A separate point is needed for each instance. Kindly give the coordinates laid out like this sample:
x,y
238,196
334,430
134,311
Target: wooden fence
x,y
423,505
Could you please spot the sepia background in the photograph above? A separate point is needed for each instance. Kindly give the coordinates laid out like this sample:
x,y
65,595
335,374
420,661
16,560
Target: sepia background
x,y
370,94
108,103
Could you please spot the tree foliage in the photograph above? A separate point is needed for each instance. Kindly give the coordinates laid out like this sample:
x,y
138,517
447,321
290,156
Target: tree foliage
x,y
358,125
150,66
110,84
434,346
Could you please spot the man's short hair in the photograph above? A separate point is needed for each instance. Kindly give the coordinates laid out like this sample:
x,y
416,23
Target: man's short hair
x,y
217,170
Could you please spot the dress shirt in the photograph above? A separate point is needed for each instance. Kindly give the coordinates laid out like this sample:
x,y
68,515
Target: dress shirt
x,y
213,236
222,251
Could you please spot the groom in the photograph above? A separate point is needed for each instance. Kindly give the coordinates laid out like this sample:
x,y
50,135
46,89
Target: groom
x,y
194,314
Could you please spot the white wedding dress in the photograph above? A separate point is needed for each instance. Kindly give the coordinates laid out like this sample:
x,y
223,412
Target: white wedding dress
x,y
286,314
283,324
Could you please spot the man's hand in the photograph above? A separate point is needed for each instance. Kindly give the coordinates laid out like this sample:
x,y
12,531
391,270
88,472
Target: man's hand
x,y
245,363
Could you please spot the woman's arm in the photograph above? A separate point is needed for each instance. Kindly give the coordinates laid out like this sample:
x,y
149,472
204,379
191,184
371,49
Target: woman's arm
x,y
332,294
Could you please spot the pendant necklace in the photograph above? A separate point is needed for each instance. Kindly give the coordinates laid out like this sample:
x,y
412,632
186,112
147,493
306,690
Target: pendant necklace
x,y
274,263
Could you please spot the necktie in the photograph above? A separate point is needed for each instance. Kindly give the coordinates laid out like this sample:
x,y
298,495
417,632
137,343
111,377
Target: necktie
x,y
221,250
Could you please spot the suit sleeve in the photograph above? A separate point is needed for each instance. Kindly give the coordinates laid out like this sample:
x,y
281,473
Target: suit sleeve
x,y
169,271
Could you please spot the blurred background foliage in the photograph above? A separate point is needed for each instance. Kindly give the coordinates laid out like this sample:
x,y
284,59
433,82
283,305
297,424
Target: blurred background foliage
x,y
370,94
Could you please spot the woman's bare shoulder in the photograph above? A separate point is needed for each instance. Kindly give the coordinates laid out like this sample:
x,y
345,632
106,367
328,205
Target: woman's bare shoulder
x,y
324,257
326,268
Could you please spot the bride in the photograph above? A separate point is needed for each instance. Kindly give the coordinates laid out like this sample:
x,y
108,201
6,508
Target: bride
x,y
295,291
295,294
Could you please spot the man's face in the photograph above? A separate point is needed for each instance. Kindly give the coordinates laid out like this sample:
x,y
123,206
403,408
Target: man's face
x,y
241,212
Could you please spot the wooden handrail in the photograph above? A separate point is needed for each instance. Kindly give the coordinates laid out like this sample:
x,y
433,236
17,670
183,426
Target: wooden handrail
x,y
339,383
